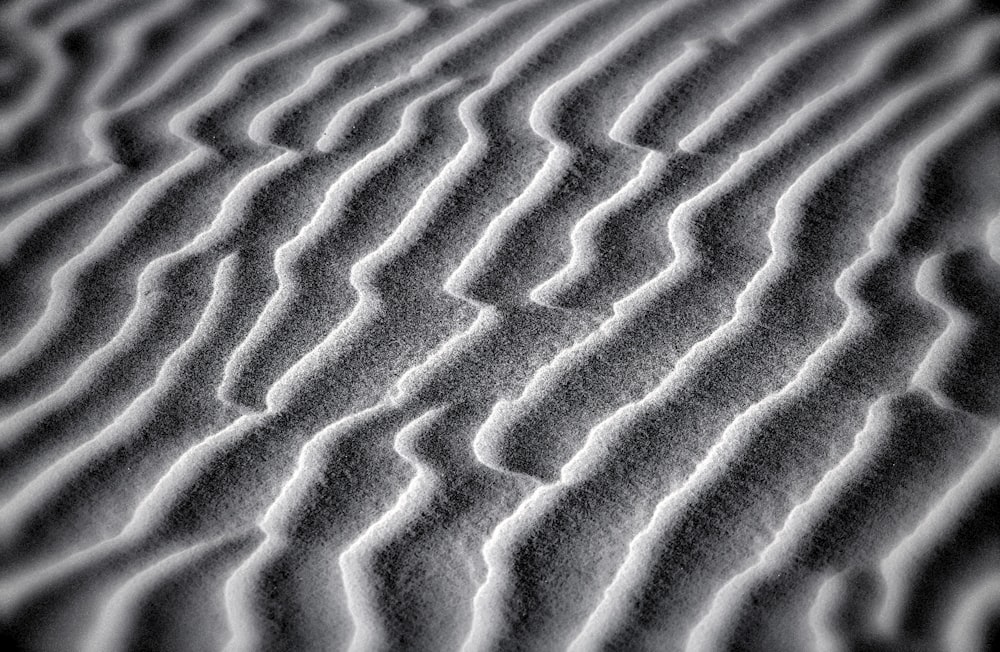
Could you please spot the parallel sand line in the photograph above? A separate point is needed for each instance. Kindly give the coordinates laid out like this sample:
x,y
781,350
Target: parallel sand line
x,y
220,119
466,370
837,525
73,223
437,528
24,267
363,272
93,292
314,292
411,576
268,189
32,63
827,398
167,602
487,90
851,517
289,593
941,559
434,232
45,355
570,232
116,461
245,70
649,120
777,91
46,129
621,243
247,368
167,31
89,42
184,275
286,124
955,528
201,167
272,441
50,226
358,113
523,245
67,320
17,198
34,238
137,134
661,320
296,121
857,606
614,483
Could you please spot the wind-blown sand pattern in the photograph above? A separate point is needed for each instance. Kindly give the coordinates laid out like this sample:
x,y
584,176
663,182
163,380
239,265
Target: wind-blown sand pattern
x,y
500,325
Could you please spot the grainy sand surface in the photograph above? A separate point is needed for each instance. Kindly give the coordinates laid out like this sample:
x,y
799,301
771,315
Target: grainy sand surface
x,y
500,325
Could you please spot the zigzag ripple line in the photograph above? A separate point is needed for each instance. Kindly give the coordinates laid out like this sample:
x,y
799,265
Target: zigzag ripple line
x,y
500,325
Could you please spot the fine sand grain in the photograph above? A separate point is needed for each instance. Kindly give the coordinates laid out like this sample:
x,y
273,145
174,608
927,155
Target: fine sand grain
x,y
500,325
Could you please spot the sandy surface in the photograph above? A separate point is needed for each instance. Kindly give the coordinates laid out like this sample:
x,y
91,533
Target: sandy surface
x,y
500,325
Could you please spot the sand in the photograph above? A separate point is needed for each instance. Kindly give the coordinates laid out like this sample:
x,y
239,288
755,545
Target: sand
x,y
500,325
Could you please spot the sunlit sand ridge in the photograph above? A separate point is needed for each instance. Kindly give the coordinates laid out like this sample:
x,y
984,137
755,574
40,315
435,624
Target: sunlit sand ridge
x,y
500,325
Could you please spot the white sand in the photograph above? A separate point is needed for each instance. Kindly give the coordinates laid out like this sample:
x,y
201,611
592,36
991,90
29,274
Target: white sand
x,y
496,325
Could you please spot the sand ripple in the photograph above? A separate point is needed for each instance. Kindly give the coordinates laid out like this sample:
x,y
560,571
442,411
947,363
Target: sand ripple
x,y
489,325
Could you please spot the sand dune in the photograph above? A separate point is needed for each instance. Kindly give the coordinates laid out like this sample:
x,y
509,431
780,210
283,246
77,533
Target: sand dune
x,y
488,325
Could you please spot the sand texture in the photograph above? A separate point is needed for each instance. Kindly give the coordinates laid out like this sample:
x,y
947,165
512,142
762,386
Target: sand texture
x,y
492,325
